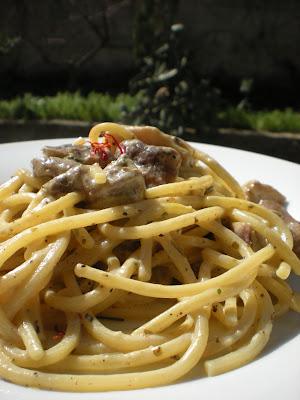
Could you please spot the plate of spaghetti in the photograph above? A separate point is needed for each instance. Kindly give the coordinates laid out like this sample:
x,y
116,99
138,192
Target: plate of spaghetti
x,y
134,263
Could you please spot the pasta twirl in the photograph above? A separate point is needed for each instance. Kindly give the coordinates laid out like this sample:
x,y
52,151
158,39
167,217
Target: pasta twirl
x,y
127,259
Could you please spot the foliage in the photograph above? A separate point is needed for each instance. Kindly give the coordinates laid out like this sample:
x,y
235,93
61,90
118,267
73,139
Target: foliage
x,y
246,87
7,43
275,121
171,96
152,22
103,107
72,106
242,116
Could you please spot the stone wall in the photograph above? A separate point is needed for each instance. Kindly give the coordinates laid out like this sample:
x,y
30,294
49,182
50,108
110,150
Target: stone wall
x,y
75,39
235,39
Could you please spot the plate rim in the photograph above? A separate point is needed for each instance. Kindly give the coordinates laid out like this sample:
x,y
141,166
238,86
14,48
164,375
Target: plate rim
x,y
191,387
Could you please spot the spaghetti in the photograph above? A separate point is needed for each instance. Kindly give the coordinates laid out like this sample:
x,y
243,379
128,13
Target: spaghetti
x,y
128,259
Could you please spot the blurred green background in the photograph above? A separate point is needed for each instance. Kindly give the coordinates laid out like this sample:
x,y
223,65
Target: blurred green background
x,y
210,71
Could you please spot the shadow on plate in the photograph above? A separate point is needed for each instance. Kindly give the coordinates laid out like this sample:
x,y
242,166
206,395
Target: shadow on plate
x,y
285,329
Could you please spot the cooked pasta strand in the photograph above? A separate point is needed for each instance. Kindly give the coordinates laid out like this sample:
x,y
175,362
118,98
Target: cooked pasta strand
x,y
179,269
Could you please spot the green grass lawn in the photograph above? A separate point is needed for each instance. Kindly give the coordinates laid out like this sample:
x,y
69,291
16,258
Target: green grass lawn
x,y
104,107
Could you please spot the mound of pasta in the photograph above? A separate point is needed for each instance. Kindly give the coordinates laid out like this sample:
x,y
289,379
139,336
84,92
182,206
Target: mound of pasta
x,y
130,257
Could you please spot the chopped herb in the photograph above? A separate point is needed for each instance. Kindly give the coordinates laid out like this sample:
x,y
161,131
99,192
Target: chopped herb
x,y
209,189
219,291
89,317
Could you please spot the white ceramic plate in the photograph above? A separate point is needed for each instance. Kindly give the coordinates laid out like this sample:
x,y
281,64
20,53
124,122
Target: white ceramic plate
x,y
275,374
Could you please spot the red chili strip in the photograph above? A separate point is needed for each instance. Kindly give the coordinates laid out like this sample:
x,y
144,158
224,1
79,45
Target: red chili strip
x,y
115,142
58,336
102,148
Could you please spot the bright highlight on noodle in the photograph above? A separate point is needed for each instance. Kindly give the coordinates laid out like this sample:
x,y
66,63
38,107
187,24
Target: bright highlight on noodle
x,y
128,258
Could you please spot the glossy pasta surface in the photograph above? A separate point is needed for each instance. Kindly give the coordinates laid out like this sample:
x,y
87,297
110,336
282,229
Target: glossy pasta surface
x,y
135,295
